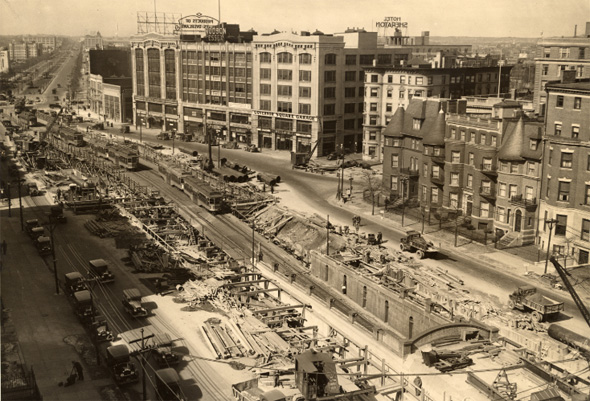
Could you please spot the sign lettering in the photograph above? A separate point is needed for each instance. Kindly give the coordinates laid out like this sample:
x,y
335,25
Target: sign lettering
x,y
391,22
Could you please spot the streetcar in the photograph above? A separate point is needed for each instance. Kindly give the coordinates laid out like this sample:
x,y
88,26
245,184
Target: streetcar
x,y
69,136
173,175
203,194
125,156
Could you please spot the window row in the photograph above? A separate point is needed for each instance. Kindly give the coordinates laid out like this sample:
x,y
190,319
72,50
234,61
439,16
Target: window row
x,y
472,137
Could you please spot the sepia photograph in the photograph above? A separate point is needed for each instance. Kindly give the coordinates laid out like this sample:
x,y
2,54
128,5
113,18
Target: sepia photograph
x,y
313,200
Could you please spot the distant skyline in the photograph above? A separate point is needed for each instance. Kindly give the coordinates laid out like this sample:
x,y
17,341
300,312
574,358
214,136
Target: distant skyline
x,y
486,18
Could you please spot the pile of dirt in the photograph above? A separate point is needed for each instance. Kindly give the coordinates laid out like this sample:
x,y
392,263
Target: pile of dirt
x,y
301,235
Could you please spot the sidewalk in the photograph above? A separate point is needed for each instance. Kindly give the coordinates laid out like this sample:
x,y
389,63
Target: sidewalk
x,y
49,334
515,261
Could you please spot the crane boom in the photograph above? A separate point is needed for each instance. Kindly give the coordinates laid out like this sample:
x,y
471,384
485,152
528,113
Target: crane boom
x,y
563,274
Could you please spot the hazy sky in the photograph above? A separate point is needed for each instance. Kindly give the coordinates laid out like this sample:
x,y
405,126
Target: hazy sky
x,y
522,18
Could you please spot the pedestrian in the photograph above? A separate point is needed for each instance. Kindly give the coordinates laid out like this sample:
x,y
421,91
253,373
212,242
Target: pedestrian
x,y
4,247
78,369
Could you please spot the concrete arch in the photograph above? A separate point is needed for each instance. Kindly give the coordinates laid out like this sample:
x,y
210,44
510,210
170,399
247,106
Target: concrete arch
x,y
445,330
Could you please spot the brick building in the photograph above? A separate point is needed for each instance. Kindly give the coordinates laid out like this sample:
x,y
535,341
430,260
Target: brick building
x,y
388,87
566,169
110,84
555,55
484,167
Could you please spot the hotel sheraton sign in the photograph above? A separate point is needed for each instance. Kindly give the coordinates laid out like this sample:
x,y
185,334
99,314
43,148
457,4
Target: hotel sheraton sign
x,y
391,22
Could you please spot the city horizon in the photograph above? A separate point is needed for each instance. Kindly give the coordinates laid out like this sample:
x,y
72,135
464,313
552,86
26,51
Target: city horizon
x,y
503,19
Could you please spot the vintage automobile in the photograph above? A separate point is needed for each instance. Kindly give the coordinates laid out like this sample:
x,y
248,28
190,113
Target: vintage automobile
x,y
43,245
30,224
132,303
100,269
83,306
36,232
100,329
167,385
163,353
73,282
120,365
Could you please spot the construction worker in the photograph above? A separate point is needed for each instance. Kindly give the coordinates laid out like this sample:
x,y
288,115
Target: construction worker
x,y
379,237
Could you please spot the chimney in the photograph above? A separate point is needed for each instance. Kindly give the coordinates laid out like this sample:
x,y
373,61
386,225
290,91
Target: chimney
x,y
575,30
568,77
588,29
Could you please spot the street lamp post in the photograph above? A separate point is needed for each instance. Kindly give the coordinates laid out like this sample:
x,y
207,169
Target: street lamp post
x,y
456,225
338,187
550,222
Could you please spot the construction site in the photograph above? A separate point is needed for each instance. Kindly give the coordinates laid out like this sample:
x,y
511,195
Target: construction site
x,y
272,298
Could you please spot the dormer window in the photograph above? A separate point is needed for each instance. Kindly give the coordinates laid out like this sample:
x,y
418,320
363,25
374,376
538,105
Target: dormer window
x,y
417,123
533,144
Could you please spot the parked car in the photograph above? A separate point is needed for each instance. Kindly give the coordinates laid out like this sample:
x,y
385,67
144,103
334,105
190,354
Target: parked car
x,y
132,303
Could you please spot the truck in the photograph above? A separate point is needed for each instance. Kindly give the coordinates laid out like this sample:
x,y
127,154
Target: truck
x,y
163,353
73,282
415,242
132,303
120,365
36,232
30,224
167,385
83,306
57,214
43,245
100,328
528,299
100,269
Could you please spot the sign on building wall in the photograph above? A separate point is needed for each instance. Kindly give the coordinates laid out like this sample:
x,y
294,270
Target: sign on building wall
x,y
207,27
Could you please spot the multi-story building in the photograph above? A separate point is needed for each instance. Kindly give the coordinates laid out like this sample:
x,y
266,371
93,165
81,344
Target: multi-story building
x,y
4,61
484,167
93,42
21,51
110,84
388,87
299,92
555,55
565,197
47,43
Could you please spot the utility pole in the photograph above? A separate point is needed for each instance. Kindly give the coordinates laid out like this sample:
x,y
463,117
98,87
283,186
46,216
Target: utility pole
x,y
9,200
328,236
402,182
423,216
252,244
20,204
52,224
141,351
550,222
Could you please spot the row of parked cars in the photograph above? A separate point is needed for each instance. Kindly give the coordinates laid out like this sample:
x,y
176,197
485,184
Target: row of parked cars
x,y
118,356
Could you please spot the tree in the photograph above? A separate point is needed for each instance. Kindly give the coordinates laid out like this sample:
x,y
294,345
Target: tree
x,y
374,185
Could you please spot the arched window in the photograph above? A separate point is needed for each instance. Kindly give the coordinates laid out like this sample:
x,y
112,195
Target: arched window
x,y
330,59
305,58
265,57
285,58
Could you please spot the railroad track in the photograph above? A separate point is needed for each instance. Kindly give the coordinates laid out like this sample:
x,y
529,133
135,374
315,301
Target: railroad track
x,y
108,303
